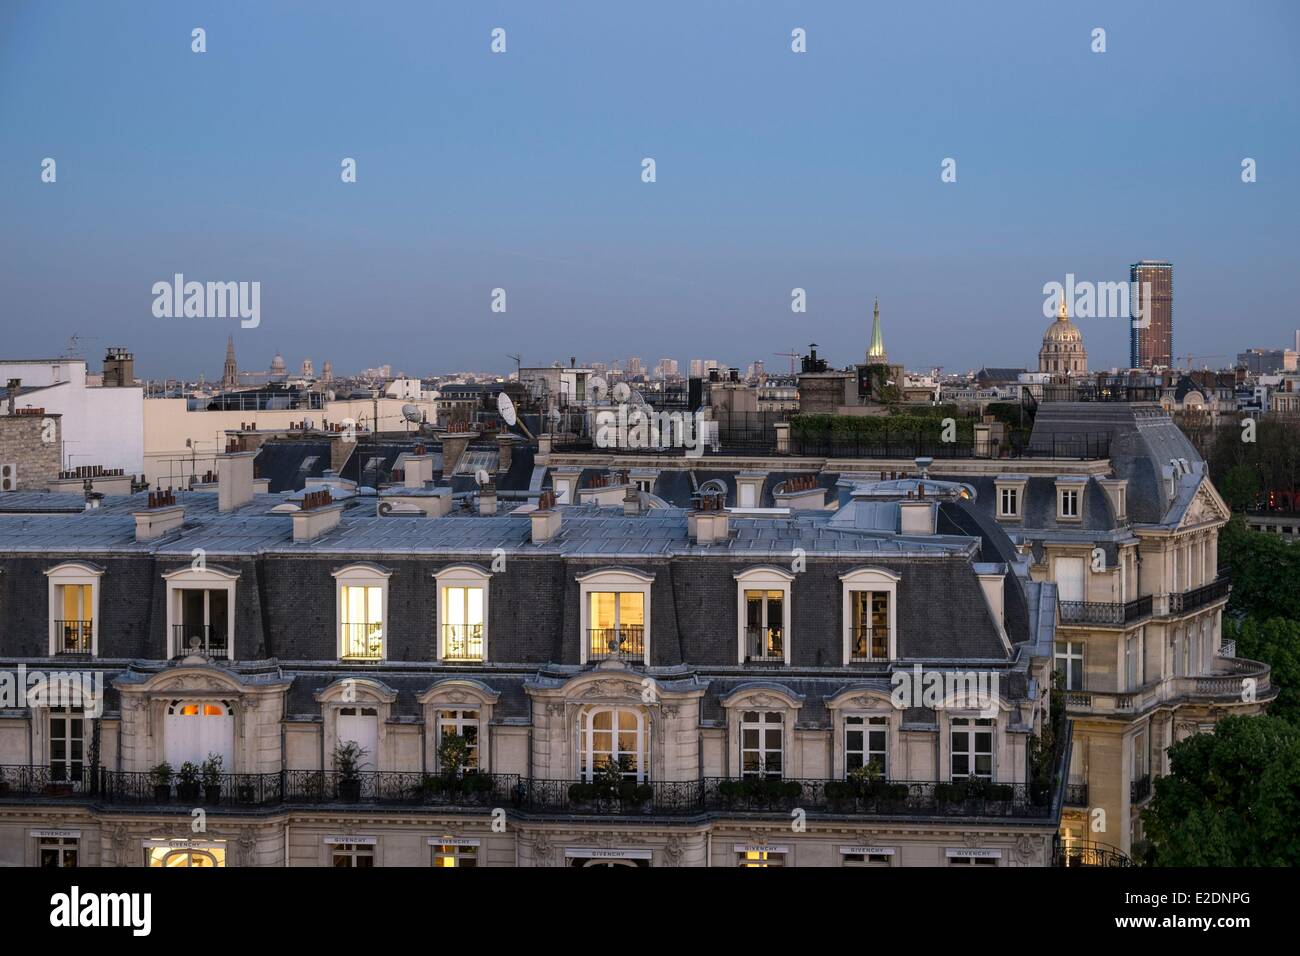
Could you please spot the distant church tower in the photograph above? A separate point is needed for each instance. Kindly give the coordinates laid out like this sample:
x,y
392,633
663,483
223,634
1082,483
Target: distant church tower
x,y
327,371
876,354
230,375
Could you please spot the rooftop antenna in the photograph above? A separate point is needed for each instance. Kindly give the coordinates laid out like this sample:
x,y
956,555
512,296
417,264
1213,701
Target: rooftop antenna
x,y
519,364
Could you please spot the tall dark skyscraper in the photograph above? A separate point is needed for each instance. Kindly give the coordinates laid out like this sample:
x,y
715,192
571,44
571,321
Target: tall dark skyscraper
x,y
1153,344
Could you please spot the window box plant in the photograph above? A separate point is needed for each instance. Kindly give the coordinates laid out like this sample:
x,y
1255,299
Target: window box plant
x,y
161,778
347,761
187,781
211,772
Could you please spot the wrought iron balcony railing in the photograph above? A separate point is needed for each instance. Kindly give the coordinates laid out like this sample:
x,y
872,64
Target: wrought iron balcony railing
x,y
1140,789
200,639
1105,614
362,642
1076,794
969,797
1199,597
462,642
73,637
869,644
626,798
401,787
764,644
225,789
626,643
55,780
1089,854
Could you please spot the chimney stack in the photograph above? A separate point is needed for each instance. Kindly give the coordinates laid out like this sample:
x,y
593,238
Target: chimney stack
x,y
487,499
14,385
161,515
319,513
505,448
631,501
546,519
709,522
418,468
234,478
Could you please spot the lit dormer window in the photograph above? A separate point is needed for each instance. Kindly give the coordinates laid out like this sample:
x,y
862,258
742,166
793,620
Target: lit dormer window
x,y
74,601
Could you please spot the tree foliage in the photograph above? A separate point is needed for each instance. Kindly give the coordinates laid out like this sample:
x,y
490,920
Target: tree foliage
x,y
1265,572
1232,798
1276,642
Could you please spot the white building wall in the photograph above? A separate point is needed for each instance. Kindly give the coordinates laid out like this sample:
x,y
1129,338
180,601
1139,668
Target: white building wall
x,y
101,426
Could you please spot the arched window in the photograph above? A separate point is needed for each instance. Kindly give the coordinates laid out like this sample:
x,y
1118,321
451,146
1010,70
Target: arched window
x,y
195,729
612,736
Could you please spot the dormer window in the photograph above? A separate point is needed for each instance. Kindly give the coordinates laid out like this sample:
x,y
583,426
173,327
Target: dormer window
x,y
1008,502
615,615
201,612
462,613
74,605
1011,497
1069,500
763,613
362,602
870,615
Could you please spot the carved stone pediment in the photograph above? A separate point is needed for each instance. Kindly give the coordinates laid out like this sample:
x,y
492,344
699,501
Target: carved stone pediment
x,y
611,688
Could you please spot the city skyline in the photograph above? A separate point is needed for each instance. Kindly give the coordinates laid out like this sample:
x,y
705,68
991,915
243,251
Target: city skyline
x,y
775,171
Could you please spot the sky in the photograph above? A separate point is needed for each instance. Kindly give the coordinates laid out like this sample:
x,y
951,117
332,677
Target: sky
x,y
523,171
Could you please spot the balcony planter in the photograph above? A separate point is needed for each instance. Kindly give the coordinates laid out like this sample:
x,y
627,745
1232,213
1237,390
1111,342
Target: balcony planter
x,y
840,794
477,788
582,795
350,789
187,782
212,779
347,759
161,778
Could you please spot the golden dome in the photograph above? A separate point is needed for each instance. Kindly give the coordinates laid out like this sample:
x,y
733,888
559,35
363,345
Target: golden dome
x,y
1063,350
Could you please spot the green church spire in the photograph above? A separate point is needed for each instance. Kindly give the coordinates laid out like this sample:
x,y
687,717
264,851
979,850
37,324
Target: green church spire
x,y
876,353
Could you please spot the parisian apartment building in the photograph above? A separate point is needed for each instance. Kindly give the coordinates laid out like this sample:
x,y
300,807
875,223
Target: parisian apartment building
x,y
608,658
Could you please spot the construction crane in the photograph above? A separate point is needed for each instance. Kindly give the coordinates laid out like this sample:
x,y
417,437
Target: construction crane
x,y
792,356
1192,358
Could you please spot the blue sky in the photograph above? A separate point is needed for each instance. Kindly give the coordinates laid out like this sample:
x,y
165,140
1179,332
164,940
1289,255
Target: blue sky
x,y
523,171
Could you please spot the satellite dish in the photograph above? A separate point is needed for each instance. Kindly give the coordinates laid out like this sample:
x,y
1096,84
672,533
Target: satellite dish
x,y
482,477
411,413
621,392
506,408
638,399
555,415
599,387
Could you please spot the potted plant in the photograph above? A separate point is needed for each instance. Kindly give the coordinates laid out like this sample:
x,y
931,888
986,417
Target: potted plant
x,y
161,778
453,754
581,794
478,786
347,761
187,781
212,779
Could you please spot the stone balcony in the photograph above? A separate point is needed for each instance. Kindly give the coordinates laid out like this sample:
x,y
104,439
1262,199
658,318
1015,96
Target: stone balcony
x,y
1224,685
